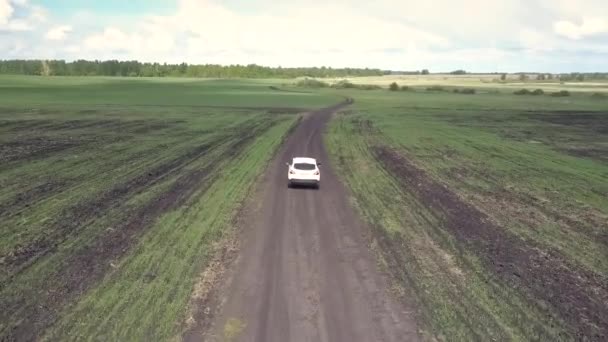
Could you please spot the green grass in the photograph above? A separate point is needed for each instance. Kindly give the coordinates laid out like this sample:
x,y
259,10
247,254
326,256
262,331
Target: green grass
x,y
113,193
481,82
70,91
539,176
174,250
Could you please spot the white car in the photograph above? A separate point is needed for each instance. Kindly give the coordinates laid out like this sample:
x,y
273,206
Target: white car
x,y
304,171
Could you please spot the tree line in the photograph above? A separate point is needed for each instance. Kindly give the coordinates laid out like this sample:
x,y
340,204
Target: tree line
x,y
567,77
138,69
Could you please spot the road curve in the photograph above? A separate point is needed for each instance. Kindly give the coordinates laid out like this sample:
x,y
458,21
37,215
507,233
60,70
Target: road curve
x,y
305,272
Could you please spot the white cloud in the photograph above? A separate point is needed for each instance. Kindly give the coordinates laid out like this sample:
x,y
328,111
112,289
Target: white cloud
x,y
142,44
38,14
575,8
397,34
19,25
112,39
58,33
73,49
212,32
588,27
537,41
10,21
6,11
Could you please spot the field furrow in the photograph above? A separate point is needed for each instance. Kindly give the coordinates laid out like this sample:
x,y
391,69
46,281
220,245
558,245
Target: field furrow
x,y
74,262
93,179
484,216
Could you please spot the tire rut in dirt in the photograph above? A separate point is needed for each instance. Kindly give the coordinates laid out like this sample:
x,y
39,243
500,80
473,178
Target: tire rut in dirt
x,y
305,272
28,149
14,205
88,266
75,217
72,219
39,139
578,296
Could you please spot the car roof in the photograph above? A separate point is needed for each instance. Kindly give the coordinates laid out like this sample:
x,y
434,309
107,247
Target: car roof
x,y
304,160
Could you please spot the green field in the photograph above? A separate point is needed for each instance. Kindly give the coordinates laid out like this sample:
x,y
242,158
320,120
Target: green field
x,y
62,92
491,210
114,192
483,82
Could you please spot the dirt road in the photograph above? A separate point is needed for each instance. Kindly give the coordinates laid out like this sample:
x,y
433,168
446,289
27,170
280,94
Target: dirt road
x,y
305,272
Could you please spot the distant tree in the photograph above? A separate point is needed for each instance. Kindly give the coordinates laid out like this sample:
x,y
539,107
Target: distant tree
x,y
135,68
540,77
393,86
580,77
183,68
435,88
523,77
311,83
503,77
537,92
458,72
57,68
344,84
549,76
425,71
368,86
561,93
464,91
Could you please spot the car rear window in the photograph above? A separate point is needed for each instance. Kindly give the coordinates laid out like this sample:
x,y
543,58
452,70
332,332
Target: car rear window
x,y
304,166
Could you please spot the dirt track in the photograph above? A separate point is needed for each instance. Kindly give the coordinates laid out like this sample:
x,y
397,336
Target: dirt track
x,y
305,272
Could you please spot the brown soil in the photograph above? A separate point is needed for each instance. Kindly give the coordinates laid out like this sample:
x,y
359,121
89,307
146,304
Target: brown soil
x,y
88,265
30,148
205,300
305,272
592,121
23,125
73,218
513,202
579,297
27,198
593,153
33,142
79,215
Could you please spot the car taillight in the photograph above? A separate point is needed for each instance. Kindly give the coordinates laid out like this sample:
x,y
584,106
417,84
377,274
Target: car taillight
x,y
291,172
316,173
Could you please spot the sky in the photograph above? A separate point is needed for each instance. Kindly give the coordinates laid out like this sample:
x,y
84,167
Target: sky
x,y
439,35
